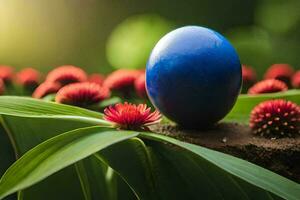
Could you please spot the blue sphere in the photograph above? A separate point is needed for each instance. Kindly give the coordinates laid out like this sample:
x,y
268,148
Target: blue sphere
x,y
193,76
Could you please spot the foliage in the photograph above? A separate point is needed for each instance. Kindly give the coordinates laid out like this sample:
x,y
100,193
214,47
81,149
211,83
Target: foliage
x,y
67,152
245,103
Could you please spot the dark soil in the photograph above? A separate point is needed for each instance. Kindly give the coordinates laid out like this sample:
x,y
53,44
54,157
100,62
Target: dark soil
x,y
279,155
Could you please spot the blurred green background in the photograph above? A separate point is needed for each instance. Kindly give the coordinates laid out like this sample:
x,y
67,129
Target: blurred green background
x,y
101,35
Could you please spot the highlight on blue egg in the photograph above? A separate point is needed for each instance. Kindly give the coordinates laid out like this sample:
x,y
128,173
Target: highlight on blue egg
x,y
193,76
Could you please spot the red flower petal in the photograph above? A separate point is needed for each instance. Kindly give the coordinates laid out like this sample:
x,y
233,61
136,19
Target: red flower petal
x,y
121,79
82,94
6,73
296,80
2,87
130,116
66,74
140,86
96,78
276,118
268,86
46,88
248,74
281,72
28,77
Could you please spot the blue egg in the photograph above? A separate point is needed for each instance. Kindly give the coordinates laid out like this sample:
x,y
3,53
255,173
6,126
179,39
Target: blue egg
x,y
193,76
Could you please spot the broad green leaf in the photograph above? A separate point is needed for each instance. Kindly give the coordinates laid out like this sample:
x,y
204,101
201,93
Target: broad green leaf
x,y
62,185
189,168
66,183
105,103
196,170
131,160
245,103
160,167
29,133
190,176
92,174
7,156
122,191
29,107
100,181
40,121
193,176
175,174
57,153
49,97
109,102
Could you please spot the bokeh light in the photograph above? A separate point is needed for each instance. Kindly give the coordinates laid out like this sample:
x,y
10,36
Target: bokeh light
x,y
102,35
279,16
131,42
253,45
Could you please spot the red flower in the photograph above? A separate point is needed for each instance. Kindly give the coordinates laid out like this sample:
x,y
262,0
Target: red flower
x,y
82,94
96,78
268,86
2,87
248,74
296,80
121,79
276,118
281,72
66,74
28,77
140,86
131,117
46,88
6,73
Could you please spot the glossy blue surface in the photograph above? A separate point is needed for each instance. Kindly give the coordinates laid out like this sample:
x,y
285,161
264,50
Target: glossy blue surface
x,y
193,76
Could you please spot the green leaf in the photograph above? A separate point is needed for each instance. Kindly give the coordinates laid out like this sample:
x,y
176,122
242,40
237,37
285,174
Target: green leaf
x,y
137,171
31,132
245,103
92,173
159,167
191,168
40,121
57,153
49,97
62,185
108,102
100,181
7,156
196,170
29,107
